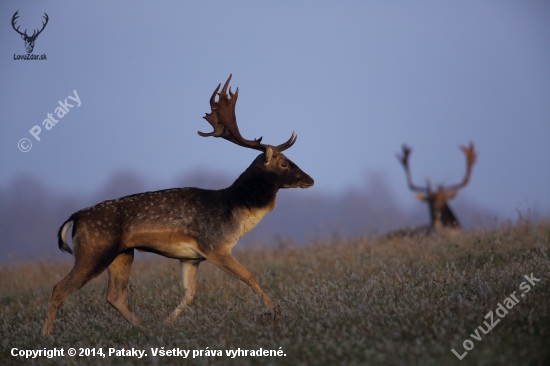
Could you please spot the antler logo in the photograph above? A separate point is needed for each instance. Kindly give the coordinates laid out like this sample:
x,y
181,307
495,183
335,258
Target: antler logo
x,y
29,40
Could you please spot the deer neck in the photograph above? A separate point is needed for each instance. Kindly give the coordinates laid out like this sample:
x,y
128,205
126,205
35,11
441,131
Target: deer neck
x,y
255,189
443,217
251,197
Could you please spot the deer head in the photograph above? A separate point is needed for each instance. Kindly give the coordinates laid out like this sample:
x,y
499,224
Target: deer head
x,y
29,40
224,121
440,213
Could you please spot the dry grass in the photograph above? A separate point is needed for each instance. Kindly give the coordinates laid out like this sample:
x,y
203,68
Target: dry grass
x,y
357,301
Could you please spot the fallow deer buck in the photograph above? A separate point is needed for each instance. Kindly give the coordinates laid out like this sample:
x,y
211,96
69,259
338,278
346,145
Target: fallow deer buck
x,y
441,216
189,224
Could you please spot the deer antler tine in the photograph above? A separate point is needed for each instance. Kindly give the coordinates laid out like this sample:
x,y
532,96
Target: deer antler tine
x,y
282,147
224,90
404,158
213,133
470,153
235,95
213,97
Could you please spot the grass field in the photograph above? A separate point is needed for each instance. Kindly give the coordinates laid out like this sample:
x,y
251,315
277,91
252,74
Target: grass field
x,y
346,301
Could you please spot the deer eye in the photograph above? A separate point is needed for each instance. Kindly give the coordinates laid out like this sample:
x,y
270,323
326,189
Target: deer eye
x,y
284,165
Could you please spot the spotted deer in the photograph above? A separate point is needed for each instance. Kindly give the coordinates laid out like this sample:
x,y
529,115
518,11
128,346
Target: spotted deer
x,y
441,215
188,224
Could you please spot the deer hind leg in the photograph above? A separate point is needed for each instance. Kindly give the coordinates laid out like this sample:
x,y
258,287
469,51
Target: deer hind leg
x,y
228,263
82,272
189,270
119,273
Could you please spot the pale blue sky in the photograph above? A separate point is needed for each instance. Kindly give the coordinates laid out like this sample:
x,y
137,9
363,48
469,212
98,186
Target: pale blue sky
x,y
354,79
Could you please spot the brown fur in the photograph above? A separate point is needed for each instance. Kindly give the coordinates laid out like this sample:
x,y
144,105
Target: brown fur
x,y
189,224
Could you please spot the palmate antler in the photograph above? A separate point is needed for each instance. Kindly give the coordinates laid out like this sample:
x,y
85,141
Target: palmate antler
x,y
471,157
224,121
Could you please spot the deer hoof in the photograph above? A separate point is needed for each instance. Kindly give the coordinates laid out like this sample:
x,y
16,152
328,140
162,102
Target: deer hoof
x,y
271,313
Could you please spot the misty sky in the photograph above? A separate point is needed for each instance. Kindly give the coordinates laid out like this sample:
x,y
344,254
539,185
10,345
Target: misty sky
x,y
355,80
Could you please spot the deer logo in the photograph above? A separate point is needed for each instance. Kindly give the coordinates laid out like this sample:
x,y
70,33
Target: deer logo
x,y
29,40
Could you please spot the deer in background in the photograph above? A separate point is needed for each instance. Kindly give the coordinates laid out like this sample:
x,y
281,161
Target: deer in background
x,y
188,224
441,215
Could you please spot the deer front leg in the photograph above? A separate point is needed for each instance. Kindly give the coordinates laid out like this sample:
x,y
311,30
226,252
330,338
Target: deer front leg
x,y
189,270
228,263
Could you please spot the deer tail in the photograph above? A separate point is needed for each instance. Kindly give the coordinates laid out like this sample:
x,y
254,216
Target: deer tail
x,y
62,236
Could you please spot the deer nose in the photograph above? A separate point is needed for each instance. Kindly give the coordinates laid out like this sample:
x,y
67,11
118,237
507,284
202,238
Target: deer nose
x,y
307,182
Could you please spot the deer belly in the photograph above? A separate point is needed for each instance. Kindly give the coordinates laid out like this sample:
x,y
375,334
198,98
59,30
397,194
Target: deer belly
x,y
173,250
166,243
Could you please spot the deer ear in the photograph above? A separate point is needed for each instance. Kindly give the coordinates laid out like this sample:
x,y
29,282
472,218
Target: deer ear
x,y
268,154
420,197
